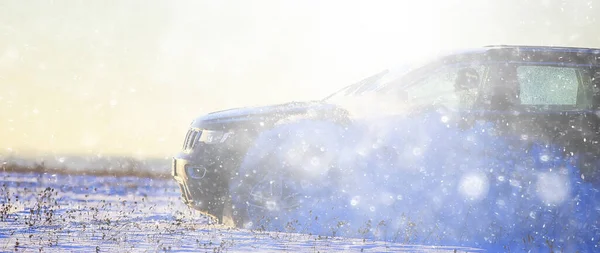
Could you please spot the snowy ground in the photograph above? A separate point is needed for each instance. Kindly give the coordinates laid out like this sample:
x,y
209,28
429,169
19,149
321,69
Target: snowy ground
x,y
57,213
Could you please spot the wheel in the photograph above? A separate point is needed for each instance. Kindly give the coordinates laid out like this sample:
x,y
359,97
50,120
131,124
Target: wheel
x,y
284,178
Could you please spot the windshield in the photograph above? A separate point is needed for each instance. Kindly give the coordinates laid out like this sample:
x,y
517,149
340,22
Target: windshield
x,y
372,83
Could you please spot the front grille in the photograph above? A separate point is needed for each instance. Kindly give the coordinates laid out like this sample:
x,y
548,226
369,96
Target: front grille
x,y
190,139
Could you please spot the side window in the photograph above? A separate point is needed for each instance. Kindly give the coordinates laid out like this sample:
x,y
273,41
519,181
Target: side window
x,y
546,85
454,87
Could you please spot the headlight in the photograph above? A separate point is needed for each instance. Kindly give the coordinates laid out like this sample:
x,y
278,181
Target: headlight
x,y
212,137
195,172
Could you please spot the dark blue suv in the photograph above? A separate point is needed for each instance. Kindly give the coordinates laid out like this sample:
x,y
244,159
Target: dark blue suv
x,y
493,147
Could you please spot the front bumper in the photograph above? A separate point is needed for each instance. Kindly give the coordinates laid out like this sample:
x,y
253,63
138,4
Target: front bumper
x,y
216,156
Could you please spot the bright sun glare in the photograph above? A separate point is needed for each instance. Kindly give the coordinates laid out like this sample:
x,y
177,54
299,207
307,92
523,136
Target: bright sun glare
x,y
96,78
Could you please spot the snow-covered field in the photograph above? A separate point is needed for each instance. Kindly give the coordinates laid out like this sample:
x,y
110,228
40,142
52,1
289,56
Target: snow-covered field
x,y
58,213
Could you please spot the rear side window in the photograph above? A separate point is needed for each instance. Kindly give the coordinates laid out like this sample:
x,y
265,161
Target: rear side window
x,y
547,85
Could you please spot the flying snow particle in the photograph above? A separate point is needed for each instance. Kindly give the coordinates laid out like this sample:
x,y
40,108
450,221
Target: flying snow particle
x,y
552,188
500,203
470,138
417,151
474,186
514,182
532,215
355,200
445,119
271,205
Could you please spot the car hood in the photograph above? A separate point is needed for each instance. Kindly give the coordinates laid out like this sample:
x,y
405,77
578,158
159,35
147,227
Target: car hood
x,y
263,112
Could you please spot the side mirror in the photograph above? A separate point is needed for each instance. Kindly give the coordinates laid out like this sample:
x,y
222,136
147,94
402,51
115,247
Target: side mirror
x,y
466,79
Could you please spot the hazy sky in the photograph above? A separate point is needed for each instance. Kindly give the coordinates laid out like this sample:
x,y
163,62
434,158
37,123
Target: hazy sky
x,y
127,77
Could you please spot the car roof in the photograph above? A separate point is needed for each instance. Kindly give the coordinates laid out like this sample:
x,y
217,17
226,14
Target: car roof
x,y
557,54
546,48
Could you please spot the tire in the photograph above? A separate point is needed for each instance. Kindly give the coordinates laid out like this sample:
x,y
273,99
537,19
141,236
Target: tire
x,y
285,176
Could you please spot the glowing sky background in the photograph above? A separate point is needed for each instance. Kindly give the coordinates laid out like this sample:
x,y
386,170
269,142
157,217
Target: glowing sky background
x,y
127,77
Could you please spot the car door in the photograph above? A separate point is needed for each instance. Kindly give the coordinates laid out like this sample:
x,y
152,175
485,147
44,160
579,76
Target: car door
x,y
544,104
